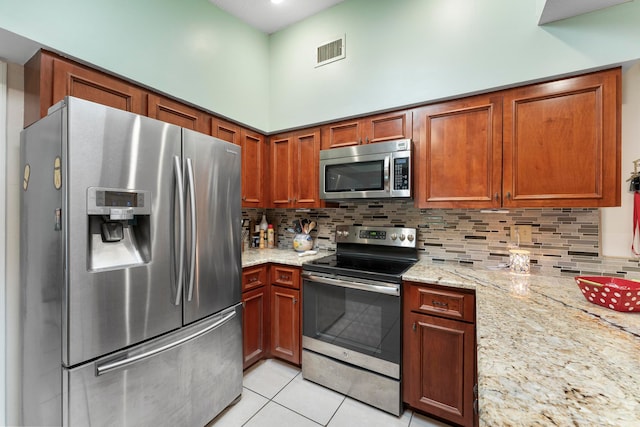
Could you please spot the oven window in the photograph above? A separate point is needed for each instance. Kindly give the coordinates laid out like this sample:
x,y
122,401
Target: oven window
x,y
358,176
362,321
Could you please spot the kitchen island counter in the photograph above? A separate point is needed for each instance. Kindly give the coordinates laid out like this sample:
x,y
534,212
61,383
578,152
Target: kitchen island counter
x,y
546,356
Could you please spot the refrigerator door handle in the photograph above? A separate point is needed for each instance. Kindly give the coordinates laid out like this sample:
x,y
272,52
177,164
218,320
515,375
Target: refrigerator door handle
x,y
181,236
192,194
105,368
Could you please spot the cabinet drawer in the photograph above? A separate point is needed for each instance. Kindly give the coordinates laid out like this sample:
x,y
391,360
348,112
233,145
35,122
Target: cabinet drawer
x,y
253,277
439,301
285,276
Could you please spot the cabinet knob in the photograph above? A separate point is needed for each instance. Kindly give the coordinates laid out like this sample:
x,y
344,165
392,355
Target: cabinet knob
x,y
360,141
366,140
295,300
509,195
414,327
497,196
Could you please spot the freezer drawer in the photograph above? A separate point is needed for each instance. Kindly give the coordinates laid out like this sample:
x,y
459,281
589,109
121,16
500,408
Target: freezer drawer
x,y
185,378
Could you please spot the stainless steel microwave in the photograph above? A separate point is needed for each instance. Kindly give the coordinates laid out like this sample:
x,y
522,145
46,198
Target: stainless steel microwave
x,y
373,171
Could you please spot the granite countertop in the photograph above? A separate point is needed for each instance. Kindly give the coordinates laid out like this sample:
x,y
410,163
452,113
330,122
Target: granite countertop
x,y
546,356
251,257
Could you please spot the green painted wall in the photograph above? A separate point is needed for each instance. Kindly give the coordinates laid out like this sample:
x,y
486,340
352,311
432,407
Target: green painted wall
x,y
188,49
403,52
399,52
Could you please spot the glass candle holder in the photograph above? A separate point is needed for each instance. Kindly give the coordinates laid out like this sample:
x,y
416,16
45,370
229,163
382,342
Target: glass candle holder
x,y
519,261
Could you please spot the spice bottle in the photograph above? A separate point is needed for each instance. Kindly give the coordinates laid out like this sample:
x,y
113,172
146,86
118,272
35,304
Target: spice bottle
x,y
262,239
270,237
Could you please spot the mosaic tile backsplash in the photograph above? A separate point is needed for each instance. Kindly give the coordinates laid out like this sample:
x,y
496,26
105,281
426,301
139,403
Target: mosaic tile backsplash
x,y
565,241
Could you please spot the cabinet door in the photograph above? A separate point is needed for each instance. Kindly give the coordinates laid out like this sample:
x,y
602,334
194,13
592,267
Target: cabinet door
x,y
226,131
306,165
387,127
282,171
438,367
562,142
176,113
342,134
255,325
74,80
285,324
460,154
253,169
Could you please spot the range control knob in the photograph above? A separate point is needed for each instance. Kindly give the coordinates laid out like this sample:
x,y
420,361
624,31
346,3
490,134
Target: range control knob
x,y
339,233
402,237
346,233
394,236
410,237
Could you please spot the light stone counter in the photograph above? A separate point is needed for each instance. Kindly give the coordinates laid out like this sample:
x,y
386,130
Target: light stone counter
x,y
253,257
547,356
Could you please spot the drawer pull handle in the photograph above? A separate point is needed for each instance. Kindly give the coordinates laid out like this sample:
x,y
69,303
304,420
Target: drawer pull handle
x,y
439,304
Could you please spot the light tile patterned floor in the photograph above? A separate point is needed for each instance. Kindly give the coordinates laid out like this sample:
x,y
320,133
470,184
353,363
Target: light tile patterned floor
x,y
276,395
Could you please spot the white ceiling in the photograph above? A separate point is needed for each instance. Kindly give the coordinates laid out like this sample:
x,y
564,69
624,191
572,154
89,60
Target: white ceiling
x,y
555,10
268,17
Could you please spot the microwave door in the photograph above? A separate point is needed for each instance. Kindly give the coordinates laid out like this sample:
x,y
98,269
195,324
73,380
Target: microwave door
x,y
365,176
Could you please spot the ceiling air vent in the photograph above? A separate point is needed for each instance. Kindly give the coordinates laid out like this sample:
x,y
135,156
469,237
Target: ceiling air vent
x,y
330,51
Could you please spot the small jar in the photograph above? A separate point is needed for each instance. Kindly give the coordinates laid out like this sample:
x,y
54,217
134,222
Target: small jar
x,y
270,237
519,261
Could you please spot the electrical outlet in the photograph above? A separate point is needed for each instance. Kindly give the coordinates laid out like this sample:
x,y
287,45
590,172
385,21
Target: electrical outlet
x,y
524,231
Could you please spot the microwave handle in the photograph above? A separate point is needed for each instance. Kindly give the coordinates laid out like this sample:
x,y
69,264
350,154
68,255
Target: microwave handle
x,y
387,163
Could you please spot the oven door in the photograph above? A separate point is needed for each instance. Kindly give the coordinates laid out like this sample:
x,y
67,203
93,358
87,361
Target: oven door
x,y
354,321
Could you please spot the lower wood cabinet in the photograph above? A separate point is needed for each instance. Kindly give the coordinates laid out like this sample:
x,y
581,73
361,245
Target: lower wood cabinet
x,y
439,351
272,313
255,319
285,324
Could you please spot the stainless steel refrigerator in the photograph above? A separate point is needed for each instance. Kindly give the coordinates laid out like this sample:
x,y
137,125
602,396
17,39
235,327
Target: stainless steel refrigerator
x,y
130,271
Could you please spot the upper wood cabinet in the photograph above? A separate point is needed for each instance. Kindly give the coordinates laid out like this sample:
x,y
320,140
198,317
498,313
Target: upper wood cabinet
x,y
459,161
226,131
177,113
254,169
562,142
295,163
378,128
254,160
49,78
553,144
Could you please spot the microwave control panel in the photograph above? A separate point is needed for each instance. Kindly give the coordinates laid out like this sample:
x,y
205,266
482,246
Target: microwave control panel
x,y
401,173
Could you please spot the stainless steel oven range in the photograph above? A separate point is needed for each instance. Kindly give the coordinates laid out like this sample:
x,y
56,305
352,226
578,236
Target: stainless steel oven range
x,y
352,314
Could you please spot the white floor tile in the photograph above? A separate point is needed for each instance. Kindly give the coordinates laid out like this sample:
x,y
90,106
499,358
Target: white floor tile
x,y
310,399
269,377
419,420
355,414
238,414
274,415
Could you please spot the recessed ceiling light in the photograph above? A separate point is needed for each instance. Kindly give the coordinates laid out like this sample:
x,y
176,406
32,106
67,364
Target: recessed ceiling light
x,y
276,1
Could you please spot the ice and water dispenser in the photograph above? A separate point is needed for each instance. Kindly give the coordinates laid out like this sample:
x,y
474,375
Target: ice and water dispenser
x,y
119,227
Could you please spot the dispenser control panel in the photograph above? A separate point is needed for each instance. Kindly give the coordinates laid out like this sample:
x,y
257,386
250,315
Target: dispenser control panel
x,y
118,203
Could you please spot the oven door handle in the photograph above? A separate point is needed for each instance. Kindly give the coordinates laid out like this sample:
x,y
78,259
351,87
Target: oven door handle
x,y
381,289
